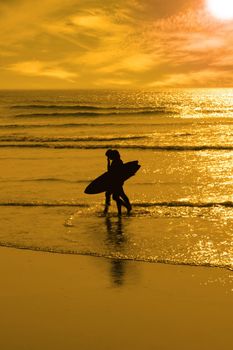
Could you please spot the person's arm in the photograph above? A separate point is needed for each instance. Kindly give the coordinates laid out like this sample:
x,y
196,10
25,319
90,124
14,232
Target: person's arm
x,y
107,194
109,163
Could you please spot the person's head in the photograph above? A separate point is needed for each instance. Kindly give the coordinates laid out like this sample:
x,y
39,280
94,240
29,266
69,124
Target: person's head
x,y
108,153
113,154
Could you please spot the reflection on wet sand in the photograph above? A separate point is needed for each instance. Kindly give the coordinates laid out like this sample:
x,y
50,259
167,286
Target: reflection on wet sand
x,y
117,239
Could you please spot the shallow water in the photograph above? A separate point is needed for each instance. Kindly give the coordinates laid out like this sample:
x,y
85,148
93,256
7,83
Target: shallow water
x,y
53,144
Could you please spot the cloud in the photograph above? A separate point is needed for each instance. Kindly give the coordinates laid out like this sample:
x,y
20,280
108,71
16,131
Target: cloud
x,y
206,77
124,43
137,62
225,62
37,68
96,20
113,83
194,49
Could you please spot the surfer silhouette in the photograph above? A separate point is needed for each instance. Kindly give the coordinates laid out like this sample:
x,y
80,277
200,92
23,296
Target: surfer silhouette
x,y
115,165
111,182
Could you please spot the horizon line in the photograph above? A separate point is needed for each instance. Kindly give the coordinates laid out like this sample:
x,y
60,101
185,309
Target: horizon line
x,y
117,88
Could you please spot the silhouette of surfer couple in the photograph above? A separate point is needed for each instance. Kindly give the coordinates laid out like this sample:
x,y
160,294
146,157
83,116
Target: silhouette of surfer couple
x,y
113,180
115,169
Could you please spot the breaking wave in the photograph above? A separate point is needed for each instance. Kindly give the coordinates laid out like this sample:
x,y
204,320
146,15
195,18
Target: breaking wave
x,y
226,204
116,256
43,204
217,111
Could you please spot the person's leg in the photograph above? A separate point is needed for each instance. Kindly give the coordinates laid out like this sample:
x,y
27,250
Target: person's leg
x,y
119,205
107,201
108,198
119,202
126,201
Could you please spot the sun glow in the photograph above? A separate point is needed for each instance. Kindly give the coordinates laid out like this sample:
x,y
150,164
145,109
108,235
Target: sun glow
x,y
222,9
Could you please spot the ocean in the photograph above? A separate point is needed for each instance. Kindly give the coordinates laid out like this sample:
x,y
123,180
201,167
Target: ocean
x,y
53,144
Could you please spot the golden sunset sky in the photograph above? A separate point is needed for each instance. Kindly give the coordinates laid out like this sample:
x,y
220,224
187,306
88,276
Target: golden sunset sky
x,y
113,44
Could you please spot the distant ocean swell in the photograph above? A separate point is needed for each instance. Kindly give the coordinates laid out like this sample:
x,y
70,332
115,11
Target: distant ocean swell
x,y
50,106
116,255
96,114
49,179
227,204
119,146
68,139
78,107
77,125
81,107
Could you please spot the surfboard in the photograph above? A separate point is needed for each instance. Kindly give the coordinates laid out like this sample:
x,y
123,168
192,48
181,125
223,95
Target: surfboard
x,y
103,182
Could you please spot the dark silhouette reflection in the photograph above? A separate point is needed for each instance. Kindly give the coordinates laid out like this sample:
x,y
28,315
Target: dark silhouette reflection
x,y
116,239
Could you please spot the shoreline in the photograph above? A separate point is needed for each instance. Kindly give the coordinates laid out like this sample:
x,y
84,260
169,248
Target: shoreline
x,y
111,258
66,301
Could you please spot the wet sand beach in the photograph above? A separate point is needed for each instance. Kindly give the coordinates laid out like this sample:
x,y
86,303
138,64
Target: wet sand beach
x,y
58,301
